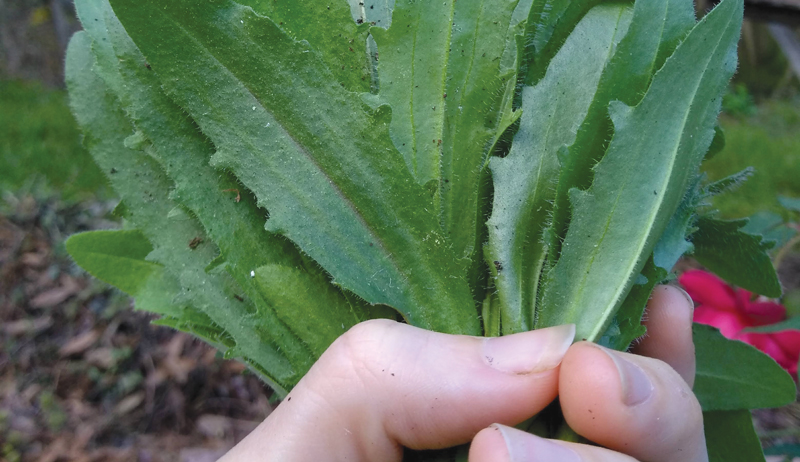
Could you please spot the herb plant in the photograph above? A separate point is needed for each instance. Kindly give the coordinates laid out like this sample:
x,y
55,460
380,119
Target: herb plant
x,y
288,169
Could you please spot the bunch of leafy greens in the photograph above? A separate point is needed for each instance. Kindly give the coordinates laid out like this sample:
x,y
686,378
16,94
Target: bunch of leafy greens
x,y
289,169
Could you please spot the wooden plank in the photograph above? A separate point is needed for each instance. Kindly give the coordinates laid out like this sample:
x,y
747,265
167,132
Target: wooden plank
x,y
790,4
789,43
782,11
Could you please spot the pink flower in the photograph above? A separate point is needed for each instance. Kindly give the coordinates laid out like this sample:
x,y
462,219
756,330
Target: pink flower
x,y
732,310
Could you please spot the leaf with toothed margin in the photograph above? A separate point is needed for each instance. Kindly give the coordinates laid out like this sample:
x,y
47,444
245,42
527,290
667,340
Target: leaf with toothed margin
x,y
738,257
548,26
184,154
139,180
479,88
448,72
524,189
319,160
728,183
656,26
618,220
114,257
330,30
673,242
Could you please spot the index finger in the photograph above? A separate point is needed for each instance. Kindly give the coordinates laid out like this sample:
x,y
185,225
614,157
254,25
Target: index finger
x,y
668,319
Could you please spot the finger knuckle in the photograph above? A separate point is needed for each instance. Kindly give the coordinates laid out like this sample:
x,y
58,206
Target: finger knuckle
x,y
363,347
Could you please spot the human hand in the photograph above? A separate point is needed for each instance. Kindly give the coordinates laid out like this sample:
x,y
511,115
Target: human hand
x,y
384,385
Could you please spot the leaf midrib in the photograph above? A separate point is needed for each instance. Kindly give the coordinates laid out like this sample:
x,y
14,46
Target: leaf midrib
x,y
378,241
599,327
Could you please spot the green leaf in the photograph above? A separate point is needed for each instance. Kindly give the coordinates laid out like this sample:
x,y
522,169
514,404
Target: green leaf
x,y
792,323
730,437
669,249
299,301
480,86
771,227
490,313
549,25
285,128
790,203
414,54
673,242
118,258
625,78
330,30
139,180
448,72
618,220
439,63
738,257
184,154
728,183
552,113
115,257
733,375
628,320
717,144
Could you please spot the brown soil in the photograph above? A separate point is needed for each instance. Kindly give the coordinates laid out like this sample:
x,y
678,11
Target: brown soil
x,y
85,378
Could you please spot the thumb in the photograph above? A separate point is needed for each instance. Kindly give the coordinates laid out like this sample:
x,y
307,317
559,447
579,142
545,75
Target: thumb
x,y
384,385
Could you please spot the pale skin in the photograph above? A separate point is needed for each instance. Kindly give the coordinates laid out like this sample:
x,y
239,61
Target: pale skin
x,y
385,385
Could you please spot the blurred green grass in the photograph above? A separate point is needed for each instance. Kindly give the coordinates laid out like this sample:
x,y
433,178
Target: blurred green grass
x,y
40,144
768,139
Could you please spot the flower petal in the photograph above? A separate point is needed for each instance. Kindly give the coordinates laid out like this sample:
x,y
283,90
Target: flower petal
x,y
707,289
728,323
764,313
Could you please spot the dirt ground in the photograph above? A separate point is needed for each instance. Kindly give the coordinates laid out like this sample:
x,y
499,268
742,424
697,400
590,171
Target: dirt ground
x,y
83,377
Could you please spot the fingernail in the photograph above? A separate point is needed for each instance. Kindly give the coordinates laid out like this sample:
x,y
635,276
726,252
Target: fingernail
x,y
524,447
688,297
529,352
636,386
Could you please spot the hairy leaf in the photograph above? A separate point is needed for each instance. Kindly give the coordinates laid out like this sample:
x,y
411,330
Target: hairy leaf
x,y
184,154
736,256
552,113
479,86
139,180
448,71
118,258
627,326
549,25
618,220
656,27
115,257
728,183
320,161
439,50
330,30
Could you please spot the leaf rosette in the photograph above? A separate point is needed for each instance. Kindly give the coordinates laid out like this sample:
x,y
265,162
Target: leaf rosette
x,y
472,167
